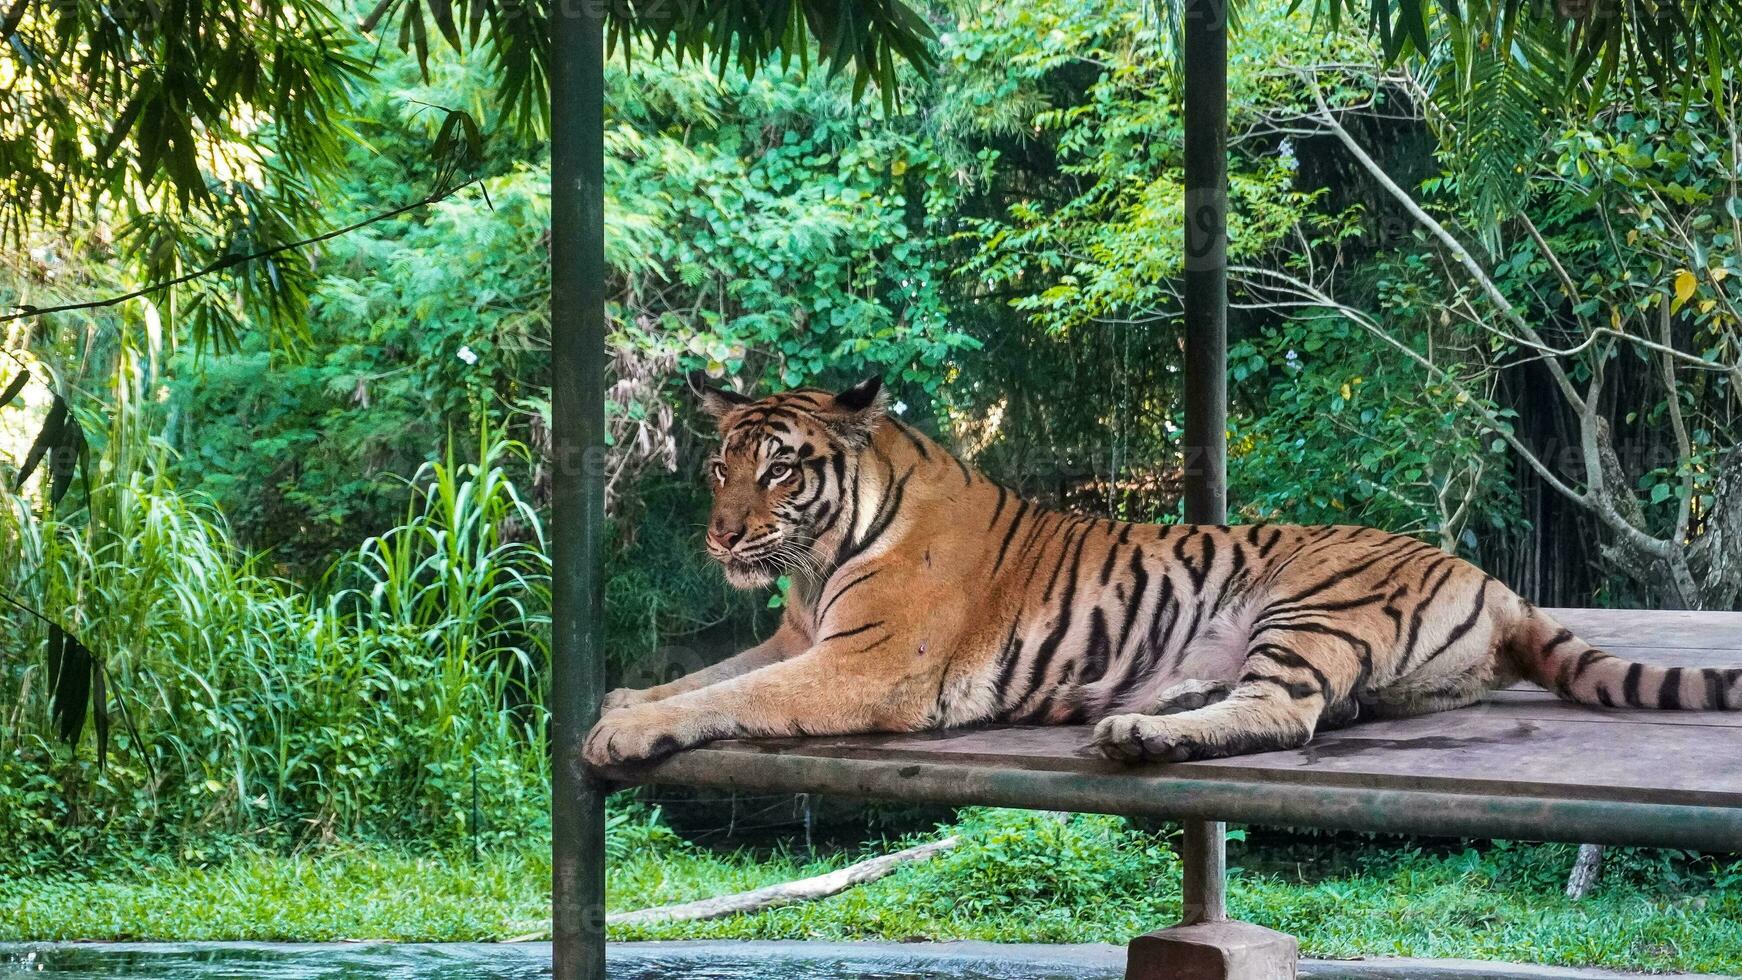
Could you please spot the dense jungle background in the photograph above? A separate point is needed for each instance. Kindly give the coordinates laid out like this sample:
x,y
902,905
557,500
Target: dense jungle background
x,y
271,541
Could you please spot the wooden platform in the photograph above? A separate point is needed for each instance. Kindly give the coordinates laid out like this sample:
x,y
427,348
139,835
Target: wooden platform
x,y
1522,766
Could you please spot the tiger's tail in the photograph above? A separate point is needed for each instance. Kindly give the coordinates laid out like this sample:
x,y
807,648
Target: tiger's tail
x,y
1549,654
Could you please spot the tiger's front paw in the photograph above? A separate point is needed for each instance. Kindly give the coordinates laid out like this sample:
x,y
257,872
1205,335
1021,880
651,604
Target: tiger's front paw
x,y
1143,738
636,734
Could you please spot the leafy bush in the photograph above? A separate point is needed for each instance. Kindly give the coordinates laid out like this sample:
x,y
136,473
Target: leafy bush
x,y
1018,860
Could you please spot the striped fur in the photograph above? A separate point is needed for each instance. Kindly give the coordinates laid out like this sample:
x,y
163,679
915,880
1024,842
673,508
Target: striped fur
x,y
925,596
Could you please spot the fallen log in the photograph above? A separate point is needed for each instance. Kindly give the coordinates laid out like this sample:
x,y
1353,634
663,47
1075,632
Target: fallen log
x,y
802,890
773,896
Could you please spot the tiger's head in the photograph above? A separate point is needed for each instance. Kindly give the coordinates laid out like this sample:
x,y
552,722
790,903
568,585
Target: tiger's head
x,y
778,472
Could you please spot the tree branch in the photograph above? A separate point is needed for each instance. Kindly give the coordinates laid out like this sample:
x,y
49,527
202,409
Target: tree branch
x,y
1458,252
231,261
1602,506
1684,454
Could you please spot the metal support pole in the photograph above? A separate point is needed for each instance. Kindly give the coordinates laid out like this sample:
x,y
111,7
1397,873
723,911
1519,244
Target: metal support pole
x,y
577,377
1204,864
1204,37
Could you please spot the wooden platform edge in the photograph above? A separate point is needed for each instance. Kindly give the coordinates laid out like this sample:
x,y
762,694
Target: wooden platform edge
x,y
1153,793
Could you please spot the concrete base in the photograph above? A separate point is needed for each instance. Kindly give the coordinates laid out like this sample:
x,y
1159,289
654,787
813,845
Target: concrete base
x,y
1213,951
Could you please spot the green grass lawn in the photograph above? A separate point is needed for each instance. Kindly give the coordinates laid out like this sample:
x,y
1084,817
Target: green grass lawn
x,y
1016,878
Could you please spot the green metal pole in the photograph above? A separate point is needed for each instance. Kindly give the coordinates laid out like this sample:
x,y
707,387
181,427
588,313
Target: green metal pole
x,y
577,377
1204,36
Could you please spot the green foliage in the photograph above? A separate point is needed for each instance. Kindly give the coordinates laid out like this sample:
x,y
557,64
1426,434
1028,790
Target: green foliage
x,y
206,128
1580,48
1351,433
1105,244
251,706
771,229
762,227
1015,862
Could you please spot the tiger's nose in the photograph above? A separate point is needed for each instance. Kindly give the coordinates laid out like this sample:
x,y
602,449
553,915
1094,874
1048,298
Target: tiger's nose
x,y
721,537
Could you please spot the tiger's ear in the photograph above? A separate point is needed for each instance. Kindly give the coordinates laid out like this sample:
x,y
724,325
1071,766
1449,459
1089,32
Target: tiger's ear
x,y
714,400
858,409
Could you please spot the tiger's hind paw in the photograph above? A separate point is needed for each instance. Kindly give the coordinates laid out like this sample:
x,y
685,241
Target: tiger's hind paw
x,y
1144,738
1189,696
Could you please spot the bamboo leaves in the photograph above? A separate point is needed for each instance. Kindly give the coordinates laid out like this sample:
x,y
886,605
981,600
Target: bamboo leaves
x,y
75,679
1594,44
61,439
49,435
865,37
74,676
15,387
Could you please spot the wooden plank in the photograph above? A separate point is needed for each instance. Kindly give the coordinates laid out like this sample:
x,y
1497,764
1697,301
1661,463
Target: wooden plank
x,y
1499,749
1048,769
1654,628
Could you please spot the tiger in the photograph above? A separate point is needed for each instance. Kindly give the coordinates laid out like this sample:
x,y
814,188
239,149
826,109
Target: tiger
x,y
923,595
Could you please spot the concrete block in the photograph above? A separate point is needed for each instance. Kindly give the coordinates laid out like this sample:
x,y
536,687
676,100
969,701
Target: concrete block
x,y
1213,951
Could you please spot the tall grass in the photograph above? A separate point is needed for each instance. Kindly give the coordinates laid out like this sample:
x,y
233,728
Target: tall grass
x,y
371,706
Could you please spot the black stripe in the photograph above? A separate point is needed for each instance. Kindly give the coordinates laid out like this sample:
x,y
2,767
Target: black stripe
x,y
1049,647
1140,585
1422,606
1098,655
912,437
1003,495
844,589
1294,689
1669,693
1155,642
1044,527
1731,675
1284,657
1052,582
1564,636
1192,571
1630,686
1362,649
1587,660
1461,630
831,516
1342,575
885,516
874,644
1007,659
1015,522
1265,549
1274,613
1238,565
855,631
1107,566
